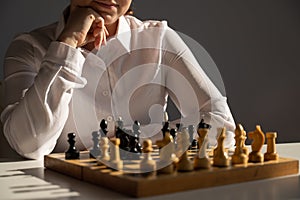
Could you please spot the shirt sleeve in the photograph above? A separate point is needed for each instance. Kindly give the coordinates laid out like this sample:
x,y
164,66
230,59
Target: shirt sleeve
x,y
192,91
37,94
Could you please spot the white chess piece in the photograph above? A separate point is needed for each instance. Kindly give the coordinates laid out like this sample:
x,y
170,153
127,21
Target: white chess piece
x,y
183,142
115,162
166,155
104,145
148,165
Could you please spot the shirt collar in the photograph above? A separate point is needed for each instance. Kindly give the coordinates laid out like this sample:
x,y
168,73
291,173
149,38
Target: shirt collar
x,y
123,33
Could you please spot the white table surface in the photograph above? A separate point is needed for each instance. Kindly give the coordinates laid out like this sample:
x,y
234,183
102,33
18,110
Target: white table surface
x,y
27,179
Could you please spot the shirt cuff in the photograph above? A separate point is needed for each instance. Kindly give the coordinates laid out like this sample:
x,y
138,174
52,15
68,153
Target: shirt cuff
x,y
65,55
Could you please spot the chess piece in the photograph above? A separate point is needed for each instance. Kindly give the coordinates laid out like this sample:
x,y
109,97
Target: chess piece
x,y
95,151
148,165
193,142
258,138
115,161
125,144
119,122
240,131
103,128
165,124
104,145
201,160
119,127
239,156
271,153
136,133
134,153
173,133
179,127
166,154
183,141
72,152
220,158
123,135
166,140
135,148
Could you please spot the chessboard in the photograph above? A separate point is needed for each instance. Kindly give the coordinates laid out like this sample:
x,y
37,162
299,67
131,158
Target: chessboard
x,y
137,185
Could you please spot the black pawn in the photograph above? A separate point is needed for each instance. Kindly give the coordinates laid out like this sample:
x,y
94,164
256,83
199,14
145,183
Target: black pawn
x,y
103,128
72,152
95,151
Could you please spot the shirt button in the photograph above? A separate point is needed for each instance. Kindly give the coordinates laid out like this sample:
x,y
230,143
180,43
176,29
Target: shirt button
x,y
105,93
109,118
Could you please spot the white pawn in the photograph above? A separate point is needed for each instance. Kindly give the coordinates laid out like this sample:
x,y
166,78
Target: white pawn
x,y
115,161
104,145
183,142
148,165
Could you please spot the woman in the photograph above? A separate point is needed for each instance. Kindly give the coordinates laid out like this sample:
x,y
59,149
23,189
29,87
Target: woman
x,y
45,68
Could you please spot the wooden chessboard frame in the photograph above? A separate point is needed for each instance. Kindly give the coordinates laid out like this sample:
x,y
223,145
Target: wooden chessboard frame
x,y
87,169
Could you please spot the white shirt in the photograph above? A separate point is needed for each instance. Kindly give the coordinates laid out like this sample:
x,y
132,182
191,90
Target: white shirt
x,y
52,89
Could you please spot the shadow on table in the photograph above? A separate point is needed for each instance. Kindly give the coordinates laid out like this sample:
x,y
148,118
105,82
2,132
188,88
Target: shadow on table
x,y
16,184
84,189
7,154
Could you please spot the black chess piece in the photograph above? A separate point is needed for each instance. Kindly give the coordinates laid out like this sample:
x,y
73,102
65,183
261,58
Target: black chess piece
x,y
95,151
72,152
124,137
202,124
179,127
119,130
125,134
165,128
122,134
193,142
173,134
119,123
136,133
103,128
134,151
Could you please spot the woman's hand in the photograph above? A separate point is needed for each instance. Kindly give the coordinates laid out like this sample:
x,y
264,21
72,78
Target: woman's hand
x,y
84,26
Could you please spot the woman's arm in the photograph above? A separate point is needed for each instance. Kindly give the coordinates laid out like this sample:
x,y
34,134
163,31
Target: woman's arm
x,y
37,94
39,88
192,91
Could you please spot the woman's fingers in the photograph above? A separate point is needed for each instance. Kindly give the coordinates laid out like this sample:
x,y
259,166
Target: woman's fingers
x,y
100,39
84,26
100,32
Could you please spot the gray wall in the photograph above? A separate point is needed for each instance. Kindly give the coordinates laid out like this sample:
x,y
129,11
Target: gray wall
x,y
255,45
